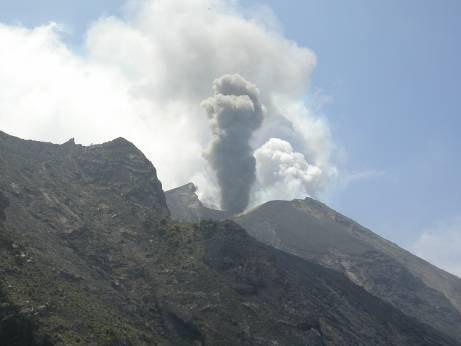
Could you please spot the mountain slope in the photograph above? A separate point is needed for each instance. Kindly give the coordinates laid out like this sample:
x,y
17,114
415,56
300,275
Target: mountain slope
x,y
311,230
90,256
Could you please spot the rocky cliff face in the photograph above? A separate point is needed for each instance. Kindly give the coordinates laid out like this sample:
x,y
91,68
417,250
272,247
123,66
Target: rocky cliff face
x,y
90,256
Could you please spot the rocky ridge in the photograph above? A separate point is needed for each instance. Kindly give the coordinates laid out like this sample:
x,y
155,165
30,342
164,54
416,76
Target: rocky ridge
x,y
90,256
310,230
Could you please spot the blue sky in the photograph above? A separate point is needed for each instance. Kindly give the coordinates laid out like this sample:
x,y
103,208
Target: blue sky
x,y
391,72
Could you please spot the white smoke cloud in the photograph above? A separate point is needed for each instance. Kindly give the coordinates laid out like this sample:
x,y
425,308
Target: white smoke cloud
x,y
284,173
441,246
143,76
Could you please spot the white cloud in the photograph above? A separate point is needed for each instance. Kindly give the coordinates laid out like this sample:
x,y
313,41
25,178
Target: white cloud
x,y
143,77
441,246
283,173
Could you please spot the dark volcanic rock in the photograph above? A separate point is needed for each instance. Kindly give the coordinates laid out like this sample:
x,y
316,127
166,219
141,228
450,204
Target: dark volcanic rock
x,y
4,203
120,165
311,230
89,256
17,328
185,206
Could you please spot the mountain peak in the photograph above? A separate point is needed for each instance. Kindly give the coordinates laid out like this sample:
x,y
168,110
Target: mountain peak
x,y
84,237
188,190
116,164
70,142
185,205
310,229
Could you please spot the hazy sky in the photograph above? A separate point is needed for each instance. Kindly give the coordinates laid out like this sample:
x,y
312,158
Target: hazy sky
x,y
386,80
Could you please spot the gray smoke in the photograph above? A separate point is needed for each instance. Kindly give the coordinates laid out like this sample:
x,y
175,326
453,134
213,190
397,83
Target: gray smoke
x,y
234,112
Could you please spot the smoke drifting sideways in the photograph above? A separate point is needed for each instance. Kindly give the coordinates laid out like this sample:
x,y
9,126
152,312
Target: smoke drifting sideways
x,y
234,112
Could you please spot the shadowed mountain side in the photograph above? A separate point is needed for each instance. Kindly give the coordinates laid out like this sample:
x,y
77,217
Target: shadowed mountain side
x,y
311,230
90,256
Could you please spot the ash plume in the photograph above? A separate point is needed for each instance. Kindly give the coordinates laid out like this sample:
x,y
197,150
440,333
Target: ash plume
x,y
234,112
148,91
